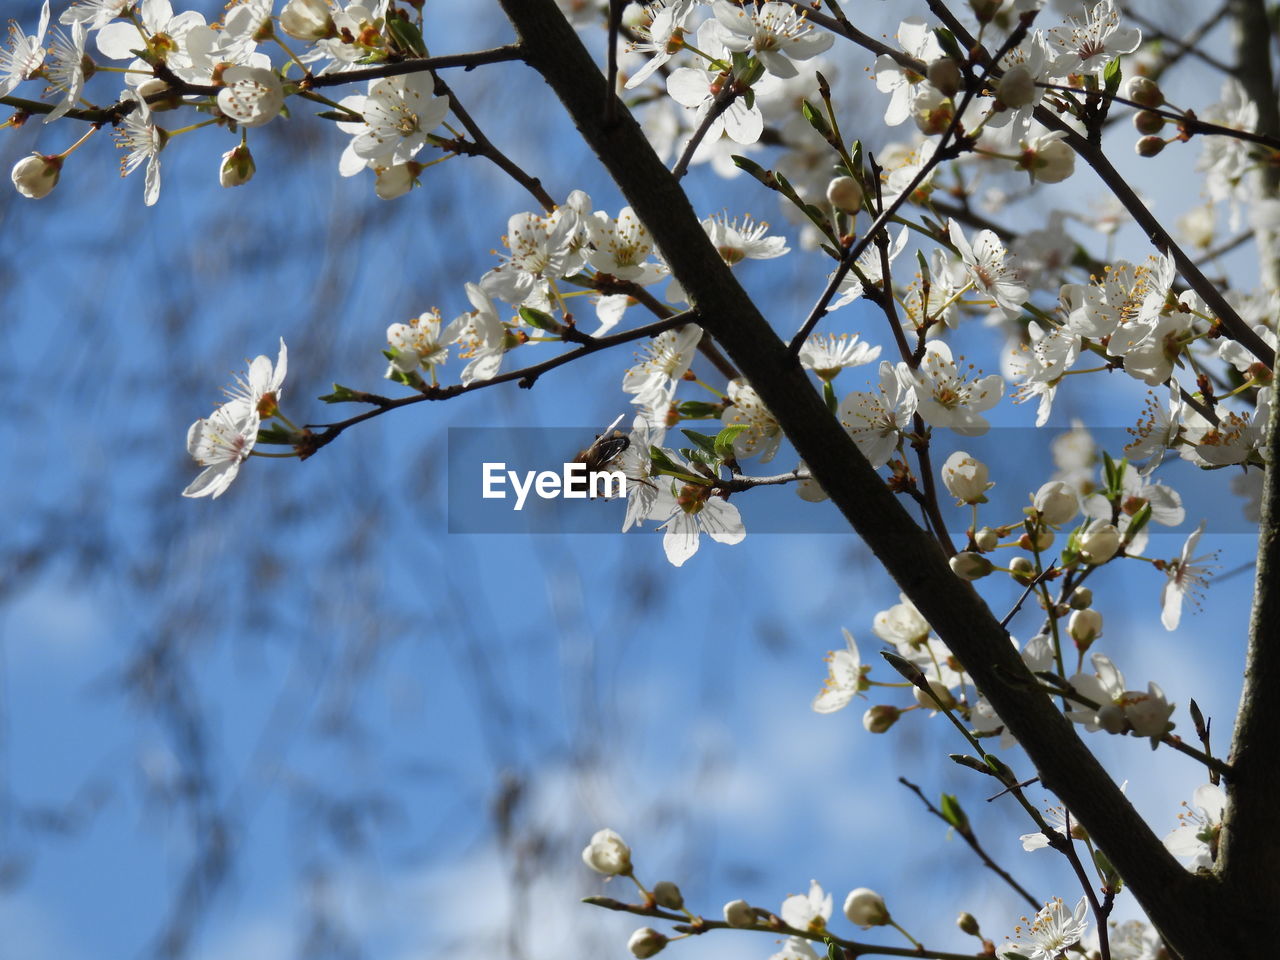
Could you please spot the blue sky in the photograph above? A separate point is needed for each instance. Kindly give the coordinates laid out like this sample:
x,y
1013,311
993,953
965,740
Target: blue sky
x,y
346,686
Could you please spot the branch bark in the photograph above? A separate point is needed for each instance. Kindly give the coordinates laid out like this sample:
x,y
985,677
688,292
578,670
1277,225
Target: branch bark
x,y
1171,896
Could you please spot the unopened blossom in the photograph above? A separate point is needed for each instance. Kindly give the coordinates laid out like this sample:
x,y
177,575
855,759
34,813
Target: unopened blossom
x,y
142,140
1047,158
866,908
1188,577
845,194
917,40
251,96
965,478
990,268
795,948
23,54
65,68
880,718
775,32
34,177
1056,502
845,679
308,19
220,443
739,913
1099,543
1199,828
808,911
876,421
970,566
945,396
827,355
1085,626
661,35
607,854
646,942
1088,45
1051,931
398,113
237,167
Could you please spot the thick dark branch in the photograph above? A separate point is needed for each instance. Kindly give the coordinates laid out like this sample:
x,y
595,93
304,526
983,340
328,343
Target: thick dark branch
x,y
908,553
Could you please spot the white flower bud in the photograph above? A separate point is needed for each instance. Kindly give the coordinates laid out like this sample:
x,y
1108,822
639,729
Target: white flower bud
x,y
932,110
968,565
35,176
986,539
307,19
866,908
1085,626
1048,161
739,913
1143,90
1017,87
845,193
1022,569
645,942
1056,502
944,74
1100,543
1111,718
1081,598
607,854
880,718
237,167
966,478
667,894
968,923
942,694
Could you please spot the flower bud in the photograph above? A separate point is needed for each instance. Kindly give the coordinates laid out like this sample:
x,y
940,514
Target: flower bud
x,y
968,565
1022,570
985,10
307,20
645,942
880,718
968,923
739,913
1147,122
1041,542
1111,718
966,478
1100,543
942,694
607,854
944,74
1017,87
866,908
1056,502
397,179
845,193
237,167
1144,91
1048,161
1081,598
1085,626
35,176
667,894
1149,146
986,539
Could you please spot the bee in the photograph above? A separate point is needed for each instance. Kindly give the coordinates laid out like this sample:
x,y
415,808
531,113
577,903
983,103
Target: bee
x,y
601,454
605,448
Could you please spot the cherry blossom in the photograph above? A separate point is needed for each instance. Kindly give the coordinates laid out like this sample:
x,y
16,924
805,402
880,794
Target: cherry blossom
x,y
24,54
845,679
776,33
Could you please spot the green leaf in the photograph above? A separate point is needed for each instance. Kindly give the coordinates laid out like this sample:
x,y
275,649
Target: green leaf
x,y
538,318
406,36
723,445
954,814
833,950
277,434
748,165
703,441
1111,76
815,118
340,394
950,45
1139,520
699,409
